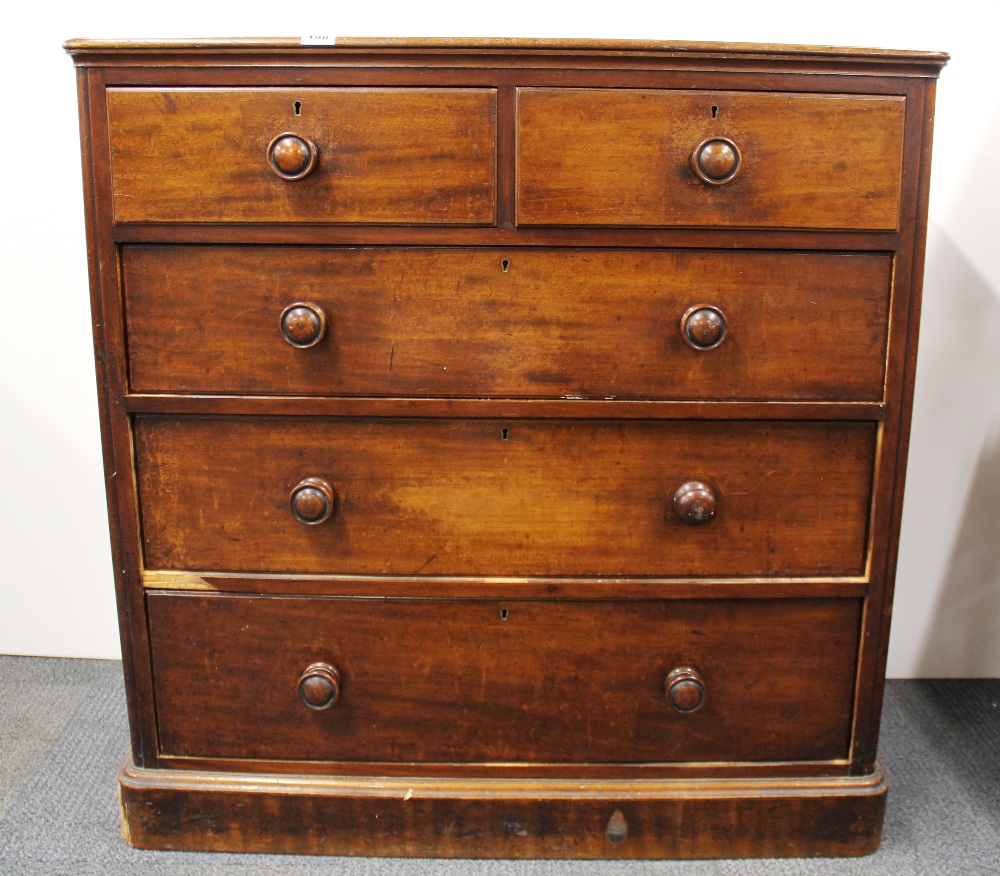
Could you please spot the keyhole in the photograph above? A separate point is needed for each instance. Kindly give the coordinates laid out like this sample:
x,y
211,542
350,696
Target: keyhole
x,y
504,434
297,106
505,266
503,614
715,111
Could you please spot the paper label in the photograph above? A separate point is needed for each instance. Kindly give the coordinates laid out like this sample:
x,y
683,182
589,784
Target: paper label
x,y
318,41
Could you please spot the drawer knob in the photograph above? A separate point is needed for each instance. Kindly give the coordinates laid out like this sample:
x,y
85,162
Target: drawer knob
x,y
319,686
312,501
303,324
685,689
715,161
703,327
695,503
291,156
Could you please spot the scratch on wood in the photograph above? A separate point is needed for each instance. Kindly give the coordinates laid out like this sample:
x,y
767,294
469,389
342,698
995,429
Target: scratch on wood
x,y
756,487
430,560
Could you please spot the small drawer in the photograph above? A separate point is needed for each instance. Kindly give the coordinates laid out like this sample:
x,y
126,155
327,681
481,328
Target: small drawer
x,y
420,680
708,158
546,323
511,497
331,155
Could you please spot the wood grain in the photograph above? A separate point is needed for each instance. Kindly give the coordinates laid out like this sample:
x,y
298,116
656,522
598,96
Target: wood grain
x,y
574,498
373,815
599,157
385,155
797,240
496,586
478,408
902,363
507,322
82,46
512,681
567,523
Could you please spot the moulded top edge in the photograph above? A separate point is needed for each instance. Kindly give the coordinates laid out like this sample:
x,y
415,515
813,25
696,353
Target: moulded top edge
x,y
465,45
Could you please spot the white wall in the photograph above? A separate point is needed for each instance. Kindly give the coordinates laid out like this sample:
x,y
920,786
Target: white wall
x,y
56,593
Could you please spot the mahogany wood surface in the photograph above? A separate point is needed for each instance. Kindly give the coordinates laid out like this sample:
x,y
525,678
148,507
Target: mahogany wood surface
x,y
721,51
667,438
493,586
237,812
385,155
528,497
507,322
518,681
535,408
593,157
111,368
477,770
192,57
907,319
428,235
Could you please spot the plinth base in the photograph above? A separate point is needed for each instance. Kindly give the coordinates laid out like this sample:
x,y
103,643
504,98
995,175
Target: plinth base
x,y
501,818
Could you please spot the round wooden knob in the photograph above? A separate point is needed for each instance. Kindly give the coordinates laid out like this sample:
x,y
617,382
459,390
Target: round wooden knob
x,y
312,501
715,161
291,156
319,686
695,503
684,689
703,327
303,324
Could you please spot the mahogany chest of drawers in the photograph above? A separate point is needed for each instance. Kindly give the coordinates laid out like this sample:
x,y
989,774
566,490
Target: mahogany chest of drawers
x,y
504,440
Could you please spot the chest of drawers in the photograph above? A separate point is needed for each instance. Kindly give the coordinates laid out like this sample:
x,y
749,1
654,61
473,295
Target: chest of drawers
x,y
504,440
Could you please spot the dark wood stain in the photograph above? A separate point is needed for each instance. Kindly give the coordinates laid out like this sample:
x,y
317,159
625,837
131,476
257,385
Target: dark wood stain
x,y
622,158
557,498
396,156
454,347
555,682
433,322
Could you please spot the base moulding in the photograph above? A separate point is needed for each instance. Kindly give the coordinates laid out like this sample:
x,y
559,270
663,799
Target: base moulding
x,y
501,818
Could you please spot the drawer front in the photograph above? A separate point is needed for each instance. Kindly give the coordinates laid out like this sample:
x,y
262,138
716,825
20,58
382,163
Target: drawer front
x,y
607,157
513,497
383,155
466,681
507,323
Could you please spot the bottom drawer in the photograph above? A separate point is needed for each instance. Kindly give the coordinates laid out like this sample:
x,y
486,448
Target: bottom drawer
x,y
425,680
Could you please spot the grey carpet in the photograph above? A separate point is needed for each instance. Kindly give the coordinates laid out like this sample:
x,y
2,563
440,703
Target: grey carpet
x,y
63,732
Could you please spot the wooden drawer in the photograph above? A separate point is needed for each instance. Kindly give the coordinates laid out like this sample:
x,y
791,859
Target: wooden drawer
x,y
510,497
438,681
383,155
506,322
623,157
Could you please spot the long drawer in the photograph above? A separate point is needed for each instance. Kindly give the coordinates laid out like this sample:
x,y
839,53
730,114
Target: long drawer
x,y
417,680
385,155
507,497
507,322
708,158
